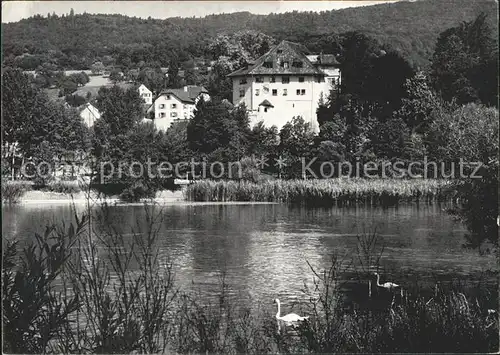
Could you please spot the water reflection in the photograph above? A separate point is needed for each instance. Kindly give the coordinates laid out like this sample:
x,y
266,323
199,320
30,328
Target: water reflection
x,y
263,248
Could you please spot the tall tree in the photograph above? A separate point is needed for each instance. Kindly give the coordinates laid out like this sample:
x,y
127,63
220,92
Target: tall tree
x,y
418,103
218,133
463,63
296,143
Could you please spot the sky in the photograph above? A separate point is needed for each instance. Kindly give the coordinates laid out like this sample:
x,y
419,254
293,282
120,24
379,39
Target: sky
x,y
13,11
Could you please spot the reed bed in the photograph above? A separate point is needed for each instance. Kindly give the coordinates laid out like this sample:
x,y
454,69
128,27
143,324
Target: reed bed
x,y
322,192
13,191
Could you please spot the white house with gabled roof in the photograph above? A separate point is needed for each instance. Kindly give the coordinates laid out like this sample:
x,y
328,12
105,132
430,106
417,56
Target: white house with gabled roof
x,y
176,105
285,82
145,94
89,113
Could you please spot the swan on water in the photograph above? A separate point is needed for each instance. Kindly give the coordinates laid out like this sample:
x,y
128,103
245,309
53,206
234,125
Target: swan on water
x,y
290,318
391,286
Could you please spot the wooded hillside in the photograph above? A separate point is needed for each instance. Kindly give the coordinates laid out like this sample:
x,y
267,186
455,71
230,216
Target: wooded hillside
x,y
76,41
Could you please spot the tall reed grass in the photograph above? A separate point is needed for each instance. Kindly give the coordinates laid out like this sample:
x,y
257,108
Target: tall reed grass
x,y
13,191
321,192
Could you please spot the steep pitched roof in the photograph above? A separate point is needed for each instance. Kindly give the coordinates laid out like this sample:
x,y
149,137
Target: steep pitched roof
x,y
85,106
187,94
273,62
266,103
142,85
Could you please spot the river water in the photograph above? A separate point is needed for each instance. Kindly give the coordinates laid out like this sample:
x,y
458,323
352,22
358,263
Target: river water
x,y
264,249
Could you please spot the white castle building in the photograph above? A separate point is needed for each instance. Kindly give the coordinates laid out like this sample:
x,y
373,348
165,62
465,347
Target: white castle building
x,y
285,82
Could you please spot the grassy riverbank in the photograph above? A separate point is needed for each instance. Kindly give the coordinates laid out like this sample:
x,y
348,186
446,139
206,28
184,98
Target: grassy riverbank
x,y
106,292
322,192
23,192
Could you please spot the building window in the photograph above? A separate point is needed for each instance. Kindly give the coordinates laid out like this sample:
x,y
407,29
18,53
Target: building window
x,y
173,106
285,80
284,65
173,114
303,91
161,106
184,107
298,91
162,114
257,92
285,92
168,97
301,79
279,51
243,81
266,90
319,79
259,79
272,79
275,92
265,109
242,93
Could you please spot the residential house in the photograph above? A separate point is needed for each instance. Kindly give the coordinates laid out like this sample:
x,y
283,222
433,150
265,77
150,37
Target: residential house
x,y
285,82
174,105
89,113
146,94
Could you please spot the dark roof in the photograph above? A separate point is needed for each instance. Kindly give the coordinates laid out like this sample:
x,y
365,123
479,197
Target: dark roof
x,y
84,106
271,62
266,103
189,95
325,60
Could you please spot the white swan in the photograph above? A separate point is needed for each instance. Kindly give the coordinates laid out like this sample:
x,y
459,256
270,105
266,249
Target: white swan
x,y
391,286
290,318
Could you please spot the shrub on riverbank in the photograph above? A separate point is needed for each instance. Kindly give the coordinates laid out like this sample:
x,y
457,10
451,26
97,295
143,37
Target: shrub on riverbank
x,y
321,192
64,187
13,191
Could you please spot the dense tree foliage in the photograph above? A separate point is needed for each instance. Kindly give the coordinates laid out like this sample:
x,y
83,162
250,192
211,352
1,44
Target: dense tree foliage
x,y
218,133
464,65
296,141
231,52
43,130
470,134
75,100
123,143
